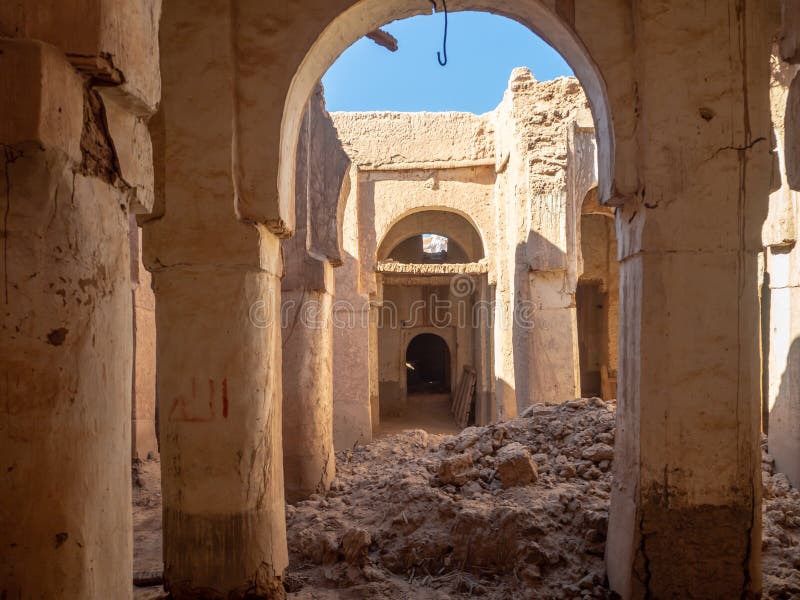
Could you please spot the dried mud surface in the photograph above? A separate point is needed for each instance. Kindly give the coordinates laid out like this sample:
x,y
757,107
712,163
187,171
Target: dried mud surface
x,y
515,510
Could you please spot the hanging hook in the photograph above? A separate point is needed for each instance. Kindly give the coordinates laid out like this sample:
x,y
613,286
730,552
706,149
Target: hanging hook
x,y
444,42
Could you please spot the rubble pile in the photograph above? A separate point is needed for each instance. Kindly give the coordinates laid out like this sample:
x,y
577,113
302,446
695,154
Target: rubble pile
x,y
515,510
518,509
780,545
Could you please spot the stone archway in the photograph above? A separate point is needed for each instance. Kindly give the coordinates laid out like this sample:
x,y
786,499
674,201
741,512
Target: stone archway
x,y
457,226
427,297
369,15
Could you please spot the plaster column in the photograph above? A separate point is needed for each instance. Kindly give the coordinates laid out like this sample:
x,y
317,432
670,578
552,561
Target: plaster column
x,y
784,360
308,458
550,319
781,302
536,334
686,498
354,418
481,322
65,340
373,409
321,189
216,280
219,390
145,442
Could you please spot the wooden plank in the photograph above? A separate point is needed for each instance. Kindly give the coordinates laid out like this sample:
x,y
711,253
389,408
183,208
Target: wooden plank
x,y
467,391
468,402
455,406
457,396
383,38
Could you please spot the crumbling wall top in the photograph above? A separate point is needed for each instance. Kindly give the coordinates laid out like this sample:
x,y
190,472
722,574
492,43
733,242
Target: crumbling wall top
x,y
381,139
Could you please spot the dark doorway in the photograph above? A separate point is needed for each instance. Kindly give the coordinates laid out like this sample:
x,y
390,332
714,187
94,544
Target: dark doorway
x,y
590,303
428,365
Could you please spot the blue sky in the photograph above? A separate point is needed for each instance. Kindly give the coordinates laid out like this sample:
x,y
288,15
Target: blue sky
x,y
482,50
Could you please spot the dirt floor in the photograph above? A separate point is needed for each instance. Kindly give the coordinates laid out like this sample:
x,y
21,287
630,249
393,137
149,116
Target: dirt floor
x,y
147,565
430,412
516,510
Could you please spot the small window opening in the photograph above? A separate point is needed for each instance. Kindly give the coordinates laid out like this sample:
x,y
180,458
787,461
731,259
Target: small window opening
x,y
434,247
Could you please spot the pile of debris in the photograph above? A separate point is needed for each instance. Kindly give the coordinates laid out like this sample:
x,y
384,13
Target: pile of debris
x,y
518,509
780,520
515,510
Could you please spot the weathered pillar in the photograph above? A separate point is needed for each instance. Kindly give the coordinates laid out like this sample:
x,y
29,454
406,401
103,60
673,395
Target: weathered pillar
x,y
481,320
308,457
220,421
355,416
65,357
781,302
307,313
783,399
536,353
548,316
685,506
216,280
73,161
143,425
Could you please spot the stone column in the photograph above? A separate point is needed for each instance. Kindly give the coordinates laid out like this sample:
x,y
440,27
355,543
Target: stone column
x,y
307,315
216,280
143,426
546,315
74,160
355,346
784,360
781,302
65,336
550,319
685,507
536,353
219,391
480,319
308,459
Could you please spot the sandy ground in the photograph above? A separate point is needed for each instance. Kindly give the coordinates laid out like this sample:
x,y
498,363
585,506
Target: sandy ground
x,y
516,510
147,526
430,412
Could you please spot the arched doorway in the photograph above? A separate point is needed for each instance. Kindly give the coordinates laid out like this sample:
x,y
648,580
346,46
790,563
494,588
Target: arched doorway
x,y
432,279
428,365
428,360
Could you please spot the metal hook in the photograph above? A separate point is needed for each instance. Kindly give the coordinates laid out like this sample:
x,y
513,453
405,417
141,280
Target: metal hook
x,y
444,42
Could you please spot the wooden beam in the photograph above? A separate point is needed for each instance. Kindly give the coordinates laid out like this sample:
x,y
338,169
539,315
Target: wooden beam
x,y
383,38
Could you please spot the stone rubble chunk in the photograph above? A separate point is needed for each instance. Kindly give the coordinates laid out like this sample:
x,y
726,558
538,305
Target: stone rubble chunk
x,y
457,470
598,453
780,485
466,439
515,465
355,545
